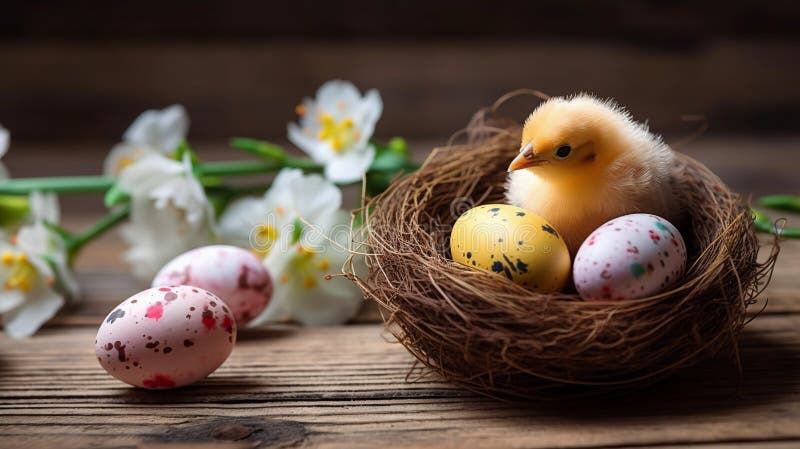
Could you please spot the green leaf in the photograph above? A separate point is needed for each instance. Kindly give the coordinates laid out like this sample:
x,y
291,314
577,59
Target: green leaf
x,y
789,203
387,160
378,181
764,224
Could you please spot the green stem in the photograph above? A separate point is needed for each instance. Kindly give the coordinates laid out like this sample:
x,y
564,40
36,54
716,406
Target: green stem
x,y
237,191
107,222
95,184
236,168
274,153
62,184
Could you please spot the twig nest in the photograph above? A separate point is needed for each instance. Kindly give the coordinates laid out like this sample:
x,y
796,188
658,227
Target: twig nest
x,y
490,335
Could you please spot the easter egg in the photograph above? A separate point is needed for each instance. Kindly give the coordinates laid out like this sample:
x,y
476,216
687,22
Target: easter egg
x,y
166,337
629,257
511,242
232,273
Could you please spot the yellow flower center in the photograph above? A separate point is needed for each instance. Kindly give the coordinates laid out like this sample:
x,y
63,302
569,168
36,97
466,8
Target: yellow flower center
x,y
22,273
305,252
266,235
307,265
123,163
340,134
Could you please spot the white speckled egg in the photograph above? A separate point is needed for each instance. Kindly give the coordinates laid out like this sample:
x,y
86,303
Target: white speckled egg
x,y
232,273
629,257
166,337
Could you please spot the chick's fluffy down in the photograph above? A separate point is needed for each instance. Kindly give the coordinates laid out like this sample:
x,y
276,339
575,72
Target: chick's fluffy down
x,y
631,172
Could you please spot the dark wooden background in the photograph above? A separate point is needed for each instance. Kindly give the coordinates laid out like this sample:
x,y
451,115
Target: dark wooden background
x,y
82,70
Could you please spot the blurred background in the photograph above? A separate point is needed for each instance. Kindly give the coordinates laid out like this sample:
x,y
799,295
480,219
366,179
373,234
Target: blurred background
x,y
73,75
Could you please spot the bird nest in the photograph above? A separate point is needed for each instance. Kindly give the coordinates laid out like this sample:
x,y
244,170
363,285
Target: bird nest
x,y
487,334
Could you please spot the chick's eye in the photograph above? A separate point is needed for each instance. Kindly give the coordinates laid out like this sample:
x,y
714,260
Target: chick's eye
x,y
563,151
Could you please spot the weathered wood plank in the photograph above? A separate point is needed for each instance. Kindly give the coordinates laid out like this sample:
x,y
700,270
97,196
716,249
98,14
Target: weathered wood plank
x,y
345,387
84,90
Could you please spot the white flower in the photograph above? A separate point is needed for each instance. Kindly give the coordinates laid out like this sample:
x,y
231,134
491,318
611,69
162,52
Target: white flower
x,y
33,269
335,129
170,213
152,132
261,223
303,289
4,140
290,227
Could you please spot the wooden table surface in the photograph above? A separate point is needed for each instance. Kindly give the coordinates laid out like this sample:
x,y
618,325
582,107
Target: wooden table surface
x,y
349,386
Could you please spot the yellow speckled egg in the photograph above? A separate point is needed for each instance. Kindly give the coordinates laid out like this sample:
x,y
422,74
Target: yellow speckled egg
x,y
514,243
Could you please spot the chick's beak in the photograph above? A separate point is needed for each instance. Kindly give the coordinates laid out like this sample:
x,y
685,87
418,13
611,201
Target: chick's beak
x,y
526,159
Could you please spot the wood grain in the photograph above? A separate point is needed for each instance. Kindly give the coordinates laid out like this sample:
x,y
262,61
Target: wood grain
x,y
89,90
346,387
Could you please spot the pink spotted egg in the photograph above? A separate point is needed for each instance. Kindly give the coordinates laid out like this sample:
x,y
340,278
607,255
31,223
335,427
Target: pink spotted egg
x,y
166,337
232,273
629,257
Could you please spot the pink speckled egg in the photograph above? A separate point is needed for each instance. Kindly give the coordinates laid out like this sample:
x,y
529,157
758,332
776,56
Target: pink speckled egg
x,y
629,257
232,273
166,337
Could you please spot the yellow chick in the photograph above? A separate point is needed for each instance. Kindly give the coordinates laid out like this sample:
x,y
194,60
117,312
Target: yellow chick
x,y
584,161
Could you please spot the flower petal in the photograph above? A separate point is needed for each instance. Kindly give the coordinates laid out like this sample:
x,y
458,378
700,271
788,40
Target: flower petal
x,y
174,126
170,213
162,130
39,242
310,196
331,95
239,218
10,299
5,138
350,166
319,150
148,173
156,236
28,318
277,310
368,114
143,129
336,303
123,155
44,206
